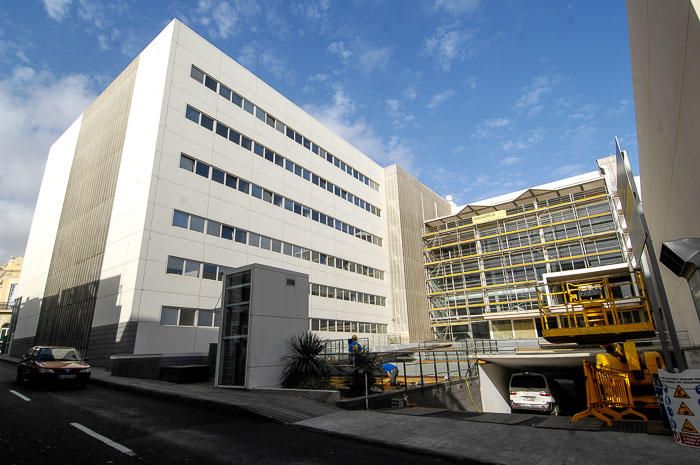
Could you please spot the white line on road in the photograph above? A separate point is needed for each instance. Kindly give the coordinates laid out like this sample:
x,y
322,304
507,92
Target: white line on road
x,y
21,396
99,437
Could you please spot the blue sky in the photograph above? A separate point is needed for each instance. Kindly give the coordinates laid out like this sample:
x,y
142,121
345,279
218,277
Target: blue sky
x,y
475,98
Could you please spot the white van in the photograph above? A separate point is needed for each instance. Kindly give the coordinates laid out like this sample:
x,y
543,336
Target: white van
x,y
534,391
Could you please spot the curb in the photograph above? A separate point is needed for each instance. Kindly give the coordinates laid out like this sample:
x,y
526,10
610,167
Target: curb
x,y
180,398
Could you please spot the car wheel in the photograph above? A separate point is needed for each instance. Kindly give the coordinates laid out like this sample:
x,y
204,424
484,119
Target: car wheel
x,y
19,377
555,410
82,384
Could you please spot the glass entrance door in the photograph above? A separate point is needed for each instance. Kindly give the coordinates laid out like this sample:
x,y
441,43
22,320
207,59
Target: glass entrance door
x,y
234,329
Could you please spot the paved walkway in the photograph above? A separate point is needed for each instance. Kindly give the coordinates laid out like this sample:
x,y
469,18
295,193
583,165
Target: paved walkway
x,y
447,436
504,444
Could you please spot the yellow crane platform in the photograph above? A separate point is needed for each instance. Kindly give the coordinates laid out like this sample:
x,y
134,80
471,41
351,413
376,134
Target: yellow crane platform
x,y
601,310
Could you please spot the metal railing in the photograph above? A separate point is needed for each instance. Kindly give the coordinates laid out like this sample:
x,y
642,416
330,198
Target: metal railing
x,y
418,366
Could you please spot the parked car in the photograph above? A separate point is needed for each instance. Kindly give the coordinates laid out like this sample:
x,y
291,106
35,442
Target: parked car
x,y
534,392
53,364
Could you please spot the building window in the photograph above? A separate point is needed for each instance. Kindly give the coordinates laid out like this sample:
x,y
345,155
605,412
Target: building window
x,y
210,83
169,316
175,265
196,223
181,219
192,114
186,317
207,122
186,163
202,169
217,175
191,268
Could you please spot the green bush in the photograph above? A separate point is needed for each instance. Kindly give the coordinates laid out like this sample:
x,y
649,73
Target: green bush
x,y
306,368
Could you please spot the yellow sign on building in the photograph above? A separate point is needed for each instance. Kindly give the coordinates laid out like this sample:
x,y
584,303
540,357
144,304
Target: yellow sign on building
x,y
487,217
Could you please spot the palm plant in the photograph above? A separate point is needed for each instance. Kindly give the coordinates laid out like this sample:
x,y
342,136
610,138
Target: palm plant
x,y
306,368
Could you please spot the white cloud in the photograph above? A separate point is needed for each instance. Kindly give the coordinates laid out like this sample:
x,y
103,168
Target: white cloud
x,y
314,10
410,93
450,44
339,48
339,116
35,108
457,7
511,160
57,9
360,55
566,171
526,140
620,109
579,134
253,55
470,81
399,116
586,112
488,127
440,98
496,122
531,97
224,19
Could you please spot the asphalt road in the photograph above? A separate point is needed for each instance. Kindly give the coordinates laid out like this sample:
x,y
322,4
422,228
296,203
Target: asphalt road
x,y
59,425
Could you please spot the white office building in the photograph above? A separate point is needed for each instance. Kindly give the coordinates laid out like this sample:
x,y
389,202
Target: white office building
x,y
188,165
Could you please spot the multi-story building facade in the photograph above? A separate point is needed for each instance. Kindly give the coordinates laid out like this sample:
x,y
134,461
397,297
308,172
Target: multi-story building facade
x,y
188,165
9,279
482,264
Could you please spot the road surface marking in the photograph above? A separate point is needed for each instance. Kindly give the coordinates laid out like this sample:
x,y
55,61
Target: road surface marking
x,y
99,437
21,396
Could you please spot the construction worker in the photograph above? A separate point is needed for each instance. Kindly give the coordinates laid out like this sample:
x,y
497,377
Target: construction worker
x,y
354,346
392,371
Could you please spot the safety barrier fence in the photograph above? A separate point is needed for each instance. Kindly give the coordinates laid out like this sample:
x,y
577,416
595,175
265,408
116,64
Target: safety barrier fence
x,y
607,391
416,367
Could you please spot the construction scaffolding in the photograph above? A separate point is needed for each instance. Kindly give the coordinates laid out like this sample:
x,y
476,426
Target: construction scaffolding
x,y
482,268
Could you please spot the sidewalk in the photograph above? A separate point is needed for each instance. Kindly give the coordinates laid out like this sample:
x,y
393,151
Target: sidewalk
x,y
503,444
472,441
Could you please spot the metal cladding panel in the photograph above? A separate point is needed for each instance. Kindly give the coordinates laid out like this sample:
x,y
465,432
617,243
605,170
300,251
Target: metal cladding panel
x,y
76,263
408,205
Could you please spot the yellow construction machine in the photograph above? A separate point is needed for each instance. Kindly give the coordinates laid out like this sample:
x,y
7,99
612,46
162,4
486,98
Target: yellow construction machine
x,y
609,309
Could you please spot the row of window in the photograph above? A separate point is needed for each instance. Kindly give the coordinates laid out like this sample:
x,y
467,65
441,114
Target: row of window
x,y
340,326
176,316
214,228
195,269
211,83
224,131
346,294
234,182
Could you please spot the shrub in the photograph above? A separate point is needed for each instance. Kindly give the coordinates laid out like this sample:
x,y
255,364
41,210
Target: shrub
x,y
306,368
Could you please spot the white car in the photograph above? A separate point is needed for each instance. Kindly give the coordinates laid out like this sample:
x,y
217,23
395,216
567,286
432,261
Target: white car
x,y
534,391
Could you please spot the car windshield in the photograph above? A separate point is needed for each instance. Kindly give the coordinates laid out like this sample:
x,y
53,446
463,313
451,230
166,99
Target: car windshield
x,y
528,381
58,354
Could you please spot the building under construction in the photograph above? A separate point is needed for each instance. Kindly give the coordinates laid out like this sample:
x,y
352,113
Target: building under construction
x,y
483,263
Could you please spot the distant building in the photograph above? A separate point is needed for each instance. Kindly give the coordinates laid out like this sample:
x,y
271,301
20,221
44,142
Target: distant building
x,y
483,263
9,280
188,165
